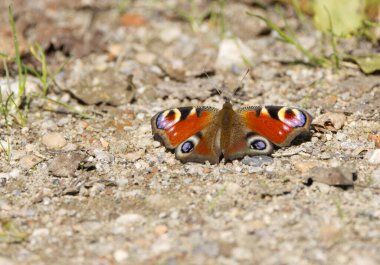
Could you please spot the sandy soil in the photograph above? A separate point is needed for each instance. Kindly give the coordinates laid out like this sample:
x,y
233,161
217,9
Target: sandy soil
x,y
102,191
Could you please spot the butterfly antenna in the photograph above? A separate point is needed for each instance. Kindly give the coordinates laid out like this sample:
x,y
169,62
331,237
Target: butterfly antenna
x,y
241,81
208,77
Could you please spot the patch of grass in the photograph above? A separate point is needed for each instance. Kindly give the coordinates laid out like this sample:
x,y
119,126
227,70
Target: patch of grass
x,y
39,54
10,233
4,111
22,71
195,16
214,201
292,40
335,54
339,209
123,5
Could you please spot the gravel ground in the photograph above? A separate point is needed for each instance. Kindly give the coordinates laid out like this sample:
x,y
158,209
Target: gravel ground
x,y
102,191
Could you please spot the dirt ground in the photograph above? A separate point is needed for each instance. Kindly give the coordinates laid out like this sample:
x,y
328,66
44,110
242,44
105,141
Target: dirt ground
x,y
101,191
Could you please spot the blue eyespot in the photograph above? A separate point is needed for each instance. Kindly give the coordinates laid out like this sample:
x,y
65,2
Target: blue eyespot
x,y
258,145
187,147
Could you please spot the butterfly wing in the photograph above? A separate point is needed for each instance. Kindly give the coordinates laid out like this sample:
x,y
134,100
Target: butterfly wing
x,y
278,124
258,128
191,131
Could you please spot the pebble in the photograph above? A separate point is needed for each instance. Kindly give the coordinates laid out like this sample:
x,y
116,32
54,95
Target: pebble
x,y
334,176
48,125
257,161
364,260
5,261
146,58
161,245
160,230
304,166
210,249
17,154
376,176
120,255
240,253
103,156
340,136
96,189
130,219
39,234
63,121
349,145
53,140
15,173
169,34
373,156
65,165
29,161
233,52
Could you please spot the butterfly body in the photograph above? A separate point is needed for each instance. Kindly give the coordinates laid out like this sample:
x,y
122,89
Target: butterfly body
x,y
200,134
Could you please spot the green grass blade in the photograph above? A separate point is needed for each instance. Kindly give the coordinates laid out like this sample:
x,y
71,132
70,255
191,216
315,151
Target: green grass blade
x,y
316,60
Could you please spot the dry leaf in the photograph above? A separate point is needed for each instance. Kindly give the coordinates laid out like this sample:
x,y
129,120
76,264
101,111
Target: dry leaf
x,y
374,138
330,121
132,20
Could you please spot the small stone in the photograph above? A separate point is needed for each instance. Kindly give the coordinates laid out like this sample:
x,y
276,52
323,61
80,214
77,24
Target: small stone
x,y
146,58
160,230
328,137
210,249
340,136
130,219
96,189
17,154
240,253
322,187
53,140
305,166
103,156
348,145
170,34
334,176
5,261
63,121
132,156
161,245
231,187
15,173
329,234
49,125
373,156
375,138
120,255
364,260
40,233
257,161
24,130
376,176
65,165
232,53
29,161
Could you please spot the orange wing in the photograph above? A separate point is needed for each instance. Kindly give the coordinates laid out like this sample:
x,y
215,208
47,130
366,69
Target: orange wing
x,y
174,126
280,125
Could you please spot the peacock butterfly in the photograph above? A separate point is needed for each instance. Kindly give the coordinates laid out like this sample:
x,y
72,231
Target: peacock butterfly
x,y
200,134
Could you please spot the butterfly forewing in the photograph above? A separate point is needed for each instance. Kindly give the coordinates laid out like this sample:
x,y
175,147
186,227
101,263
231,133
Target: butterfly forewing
x,y
192,131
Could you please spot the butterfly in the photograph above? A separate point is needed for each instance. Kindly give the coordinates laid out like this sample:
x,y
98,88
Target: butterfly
x,y
200,134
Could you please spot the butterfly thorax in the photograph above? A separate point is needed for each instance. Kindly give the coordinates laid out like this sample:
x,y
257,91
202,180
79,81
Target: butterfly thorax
x,y
228,121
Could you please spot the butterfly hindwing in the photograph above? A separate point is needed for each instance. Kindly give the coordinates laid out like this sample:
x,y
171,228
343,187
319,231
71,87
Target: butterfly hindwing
x,y
280,125
191,131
